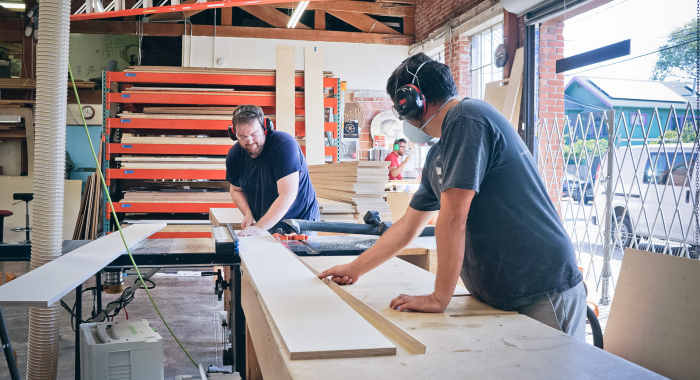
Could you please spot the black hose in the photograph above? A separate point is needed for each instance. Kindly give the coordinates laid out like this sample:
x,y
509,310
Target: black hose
x,y
595,328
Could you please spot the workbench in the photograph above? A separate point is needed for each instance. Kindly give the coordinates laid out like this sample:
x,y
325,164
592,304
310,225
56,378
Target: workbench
x,y
469,340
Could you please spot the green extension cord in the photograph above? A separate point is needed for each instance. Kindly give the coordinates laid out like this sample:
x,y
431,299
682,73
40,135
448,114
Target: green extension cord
x,y
109,199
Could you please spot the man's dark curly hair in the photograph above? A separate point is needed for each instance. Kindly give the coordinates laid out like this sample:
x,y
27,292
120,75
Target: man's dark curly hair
x,y
436,81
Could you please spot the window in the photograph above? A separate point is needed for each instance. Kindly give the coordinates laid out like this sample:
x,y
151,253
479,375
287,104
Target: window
x,y
635,120
483,68
439,56
679,170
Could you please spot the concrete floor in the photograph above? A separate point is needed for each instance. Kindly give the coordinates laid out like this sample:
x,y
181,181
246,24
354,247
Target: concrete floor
x,y
187,304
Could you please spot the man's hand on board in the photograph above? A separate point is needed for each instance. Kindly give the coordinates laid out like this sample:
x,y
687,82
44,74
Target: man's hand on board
x,y
251,231
342,274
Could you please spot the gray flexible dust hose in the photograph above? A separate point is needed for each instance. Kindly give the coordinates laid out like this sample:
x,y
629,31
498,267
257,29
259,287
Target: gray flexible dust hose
x,y
49,175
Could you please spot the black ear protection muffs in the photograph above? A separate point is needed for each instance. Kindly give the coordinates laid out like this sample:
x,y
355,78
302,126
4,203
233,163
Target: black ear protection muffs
x,y
268,127
410,101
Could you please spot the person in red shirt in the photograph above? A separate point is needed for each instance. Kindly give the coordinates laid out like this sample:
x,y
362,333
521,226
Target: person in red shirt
x,y
395,168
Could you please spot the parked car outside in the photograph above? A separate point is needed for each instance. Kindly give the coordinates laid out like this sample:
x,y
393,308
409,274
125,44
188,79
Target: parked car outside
x,y
658,195
587,194
570,182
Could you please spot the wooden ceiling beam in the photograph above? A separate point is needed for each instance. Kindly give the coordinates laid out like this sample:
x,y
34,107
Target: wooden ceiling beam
x,y
414,2
11,30
363,22
173,30
271,16
377,9
176,15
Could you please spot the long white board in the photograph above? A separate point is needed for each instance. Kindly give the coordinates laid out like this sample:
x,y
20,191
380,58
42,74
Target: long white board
x,y
313,105
47,284
312,320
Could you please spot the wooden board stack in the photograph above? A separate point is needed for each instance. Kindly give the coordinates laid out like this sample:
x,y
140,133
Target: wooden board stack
x,y
360,183
131,138
333,211
181,196
175,162
89,215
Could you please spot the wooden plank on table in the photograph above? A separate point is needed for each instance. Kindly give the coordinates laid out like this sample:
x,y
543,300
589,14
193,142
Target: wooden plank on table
x,y
72,269
313,105
312,321
653,316
468,340
512,99
284,87
219,216
370,314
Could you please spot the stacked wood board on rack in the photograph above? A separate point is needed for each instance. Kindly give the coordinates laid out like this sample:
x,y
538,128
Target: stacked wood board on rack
x,y
177,196
131,138
360,183
172,162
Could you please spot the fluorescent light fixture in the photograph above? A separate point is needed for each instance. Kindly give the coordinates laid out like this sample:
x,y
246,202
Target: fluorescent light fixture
x,y
19,6
296,15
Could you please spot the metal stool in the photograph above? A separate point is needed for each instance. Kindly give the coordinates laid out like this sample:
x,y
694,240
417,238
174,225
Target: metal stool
x,y
23,197
3,214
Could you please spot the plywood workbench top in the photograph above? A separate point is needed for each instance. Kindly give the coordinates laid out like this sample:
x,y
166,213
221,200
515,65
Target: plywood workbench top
x,y
470,340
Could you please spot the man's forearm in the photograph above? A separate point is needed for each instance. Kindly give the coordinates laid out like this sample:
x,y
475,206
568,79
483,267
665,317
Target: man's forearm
x,y
394,240
449,234
397,170
241,201
276,212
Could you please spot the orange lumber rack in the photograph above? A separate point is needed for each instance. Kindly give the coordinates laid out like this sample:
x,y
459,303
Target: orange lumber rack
x,y
205,79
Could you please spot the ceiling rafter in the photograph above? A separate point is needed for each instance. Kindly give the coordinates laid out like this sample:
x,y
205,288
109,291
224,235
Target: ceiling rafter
x,y
271,15
176,15
376,9
363,22
174,30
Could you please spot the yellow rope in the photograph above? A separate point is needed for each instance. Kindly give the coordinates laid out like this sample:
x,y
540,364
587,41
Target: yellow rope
x,y
114,214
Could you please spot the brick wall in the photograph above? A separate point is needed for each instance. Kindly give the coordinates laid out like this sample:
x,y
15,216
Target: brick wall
x,y
433,14
551,106
372,103
458,58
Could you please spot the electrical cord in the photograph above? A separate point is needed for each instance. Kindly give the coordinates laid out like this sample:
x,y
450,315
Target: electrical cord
x,y
116,220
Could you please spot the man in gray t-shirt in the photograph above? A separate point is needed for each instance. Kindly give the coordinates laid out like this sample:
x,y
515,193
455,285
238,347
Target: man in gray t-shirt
x,y
497,229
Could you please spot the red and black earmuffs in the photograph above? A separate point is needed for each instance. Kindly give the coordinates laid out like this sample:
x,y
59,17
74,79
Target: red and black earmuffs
x,y
409,100
268,127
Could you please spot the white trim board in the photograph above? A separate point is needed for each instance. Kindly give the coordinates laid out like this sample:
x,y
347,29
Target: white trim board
x,y
313,106
284,90
313,322
47,284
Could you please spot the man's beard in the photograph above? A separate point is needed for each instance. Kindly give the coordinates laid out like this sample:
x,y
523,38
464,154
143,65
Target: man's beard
x,y
253,150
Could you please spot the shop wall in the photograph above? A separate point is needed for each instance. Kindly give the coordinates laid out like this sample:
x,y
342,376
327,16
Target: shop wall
x,y
362,66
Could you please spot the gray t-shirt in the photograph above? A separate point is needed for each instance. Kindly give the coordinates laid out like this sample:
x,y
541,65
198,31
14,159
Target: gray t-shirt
x,y
516,249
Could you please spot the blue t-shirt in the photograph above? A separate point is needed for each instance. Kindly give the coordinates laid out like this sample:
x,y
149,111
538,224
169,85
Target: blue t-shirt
x,y
516,249
280,157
